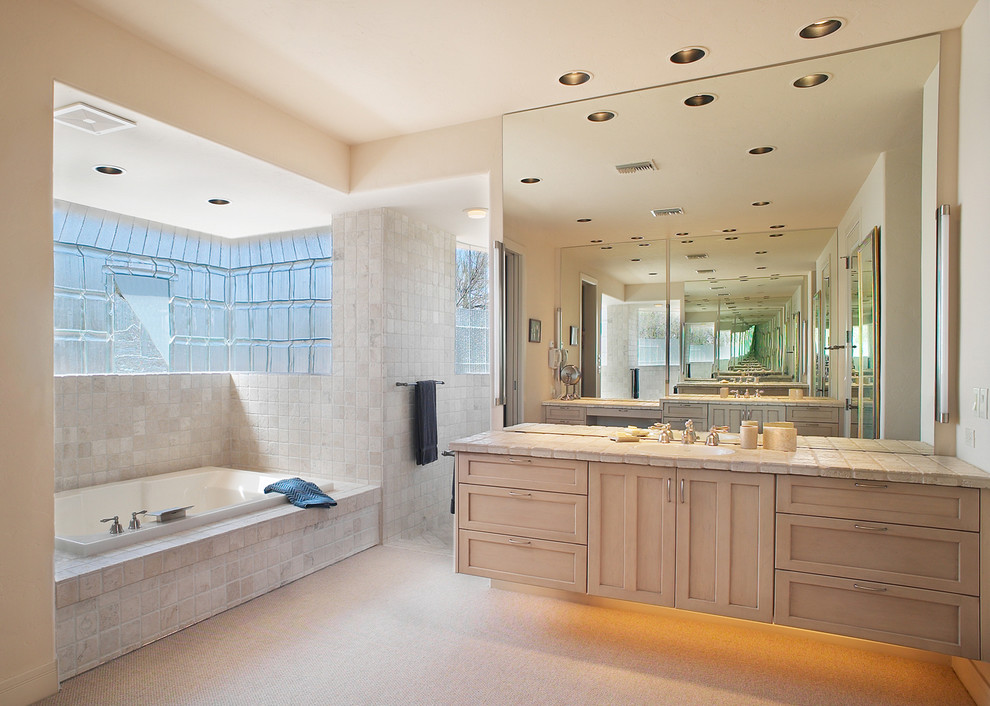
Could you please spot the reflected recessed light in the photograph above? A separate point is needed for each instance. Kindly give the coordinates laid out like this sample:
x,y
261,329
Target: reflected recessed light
x,y
596,241
681,234
760,203
699,99
811,80
575,78
643,245
652,274
218,202
530,180
584,220
606,247
108,170
688,55
635,259
601,116
476,212
761,252
767,149
728,230
821,28
635,237
762,267
732,237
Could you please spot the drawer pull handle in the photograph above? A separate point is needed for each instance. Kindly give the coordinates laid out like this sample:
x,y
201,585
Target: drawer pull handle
x,y
517,494
870,485
669,483
513,540
872,529
875,589
682,490
514,459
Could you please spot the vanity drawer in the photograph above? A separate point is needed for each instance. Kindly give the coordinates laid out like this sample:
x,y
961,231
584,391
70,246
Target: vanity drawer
x,y
690,410
531,513
948,507
565,415
522,560
938,559
914,617
529,472
816,429
805,413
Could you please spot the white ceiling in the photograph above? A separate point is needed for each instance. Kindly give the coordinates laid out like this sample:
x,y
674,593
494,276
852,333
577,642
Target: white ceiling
x,y
170,175
363,70
369,69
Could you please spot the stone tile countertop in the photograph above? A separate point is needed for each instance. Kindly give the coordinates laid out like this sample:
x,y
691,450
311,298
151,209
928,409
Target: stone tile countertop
x,y
896,461
655,403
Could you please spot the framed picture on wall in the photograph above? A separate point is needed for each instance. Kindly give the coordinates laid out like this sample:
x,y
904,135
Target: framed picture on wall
x,y
534,330
574,335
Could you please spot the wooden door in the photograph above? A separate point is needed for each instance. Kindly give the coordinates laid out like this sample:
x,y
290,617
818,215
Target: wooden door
x,y
725,539
631,532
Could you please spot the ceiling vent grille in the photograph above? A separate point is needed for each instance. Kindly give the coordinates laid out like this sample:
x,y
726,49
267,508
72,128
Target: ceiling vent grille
x,y
92,120
697,256
657,212
636,167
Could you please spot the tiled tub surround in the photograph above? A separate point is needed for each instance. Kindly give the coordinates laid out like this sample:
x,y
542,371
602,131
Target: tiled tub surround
x,y
116,602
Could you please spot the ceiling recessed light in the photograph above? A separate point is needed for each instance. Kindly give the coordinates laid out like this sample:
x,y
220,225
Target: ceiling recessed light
x,y
476,212
652,274
575,78
760,203
821,28
530,180
761,252
601,116
218,202
732,237
636,237
596,241
767,149
688,55
699,99
728,230
584,220
108,169
811,80
635,259
606,247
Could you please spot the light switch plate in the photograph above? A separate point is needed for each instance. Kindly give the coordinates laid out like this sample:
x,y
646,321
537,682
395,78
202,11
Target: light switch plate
x,y
982,413
970,438
976,402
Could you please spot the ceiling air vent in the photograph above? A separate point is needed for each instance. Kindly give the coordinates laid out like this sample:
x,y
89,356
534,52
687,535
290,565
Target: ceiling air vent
x,y
92,120
635,167
697,256
657,212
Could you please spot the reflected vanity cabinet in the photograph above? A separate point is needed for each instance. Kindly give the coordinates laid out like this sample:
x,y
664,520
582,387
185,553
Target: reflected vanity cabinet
x,y
732,415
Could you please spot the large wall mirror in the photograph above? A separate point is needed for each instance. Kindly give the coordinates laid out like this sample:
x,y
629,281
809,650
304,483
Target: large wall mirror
x,y
703,228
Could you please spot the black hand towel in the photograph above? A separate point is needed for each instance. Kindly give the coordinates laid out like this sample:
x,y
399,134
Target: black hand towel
x,y
426,422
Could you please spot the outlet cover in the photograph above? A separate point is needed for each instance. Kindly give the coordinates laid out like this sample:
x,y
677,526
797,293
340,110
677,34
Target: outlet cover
x,y
970,438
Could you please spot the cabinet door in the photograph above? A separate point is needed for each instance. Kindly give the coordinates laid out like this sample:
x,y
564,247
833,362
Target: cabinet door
x,y
631,533
726,415
725,541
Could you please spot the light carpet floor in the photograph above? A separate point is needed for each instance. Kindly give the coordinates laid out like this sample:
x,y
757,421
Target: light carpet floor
x,y
397,626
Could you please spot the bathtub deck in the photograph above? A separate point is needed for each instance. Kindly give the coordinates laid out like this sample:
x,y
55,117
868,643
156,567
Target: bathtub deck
x,y
117,601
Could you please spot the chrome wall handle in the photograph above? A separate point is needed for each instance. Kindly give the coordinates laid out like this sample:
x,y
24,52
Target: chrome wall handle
x,y
875,589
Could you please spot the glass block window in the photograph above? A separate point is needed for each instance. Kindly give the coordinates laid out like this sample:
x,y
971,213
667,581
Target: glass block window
x,y
471,312
168,300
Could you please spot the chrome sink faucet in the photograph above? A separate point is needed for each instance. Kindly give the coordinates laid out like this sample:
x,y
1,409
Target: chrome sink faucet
x,y
689,436
665,436
734,393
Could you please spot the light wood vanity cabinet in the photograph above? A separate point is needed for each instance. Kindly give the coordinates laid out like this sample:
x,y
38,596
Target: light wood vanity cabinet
x,y
523,519
698,540
732,415
884,561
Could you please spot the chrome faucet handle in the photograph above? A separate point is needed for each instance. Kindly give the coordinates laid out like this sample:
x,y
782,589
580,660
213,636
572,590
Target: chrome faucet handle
x,y
665,437
734,393
759,393
689,436
115,526
712,439
135,522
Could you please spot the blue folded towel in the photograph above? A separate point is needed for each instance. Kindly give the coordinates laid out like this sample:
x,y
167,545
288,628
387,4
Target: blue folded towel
x,y
301,493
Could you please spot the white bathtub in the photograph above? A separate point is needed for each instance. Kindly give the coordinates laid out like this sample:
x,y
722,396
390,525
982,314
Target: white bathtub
x,y
214,493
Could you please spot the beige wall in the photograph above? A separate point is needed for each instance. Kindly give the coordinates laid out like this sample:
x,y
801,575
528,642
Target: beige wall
x,y
973,218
